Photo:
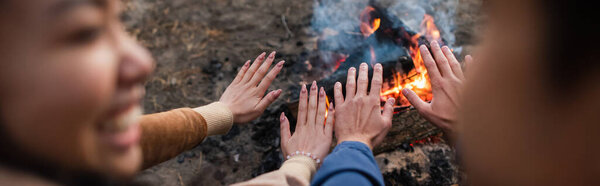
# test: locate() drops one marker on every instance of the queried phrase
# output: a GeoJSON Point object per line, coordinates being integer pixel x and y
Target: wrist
{"type": "Point", "coordinates": [356, 139]}
{"type": "Point", "coordinates": [218, 117]}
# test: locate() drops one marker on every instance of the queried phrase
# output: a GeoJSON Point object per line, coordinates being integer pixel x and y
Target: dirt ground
{"type": "Point", "coordinates": [199, 45]}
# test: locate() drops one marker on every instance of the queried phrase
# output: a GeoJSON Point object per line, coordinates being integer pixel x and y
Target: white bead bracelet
{"type": "Point", "coordinates": [308, 154]}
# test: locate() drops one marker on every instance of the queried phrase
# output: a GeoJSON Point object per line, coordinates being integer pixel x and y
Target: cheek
{"type": "Point", "coordinates": [55, 100]}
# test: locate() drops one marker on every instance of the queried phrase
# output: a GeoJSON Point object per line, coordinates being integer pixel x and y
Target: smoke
{"type": "Point", "coordinates": [411, 12]}
{"type": "Point", "coordinates": [342, 16]}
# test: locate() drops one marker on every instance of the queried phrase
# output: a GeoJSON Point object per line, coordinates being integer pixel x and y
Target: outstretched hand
{"type": "Point", "coordinates": [313, 132]}
{"type": "Point", "coordinates": [447, 80]}
{"type": "Point", "coordinates": [245, 96]}
{"type": "Point", "coordinates": [358, 116]}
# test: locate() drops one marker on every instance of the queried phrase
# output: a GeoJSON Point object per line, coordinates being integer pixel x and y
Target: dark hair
{"type": "Point", "coordinates": [573, 54]}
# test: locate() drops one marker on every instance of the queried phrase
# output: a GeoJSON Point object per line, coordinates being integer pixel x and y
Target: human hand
{"type": "Point", "coordinates": [244, 96]}
{"type": "Point", "coordinates": [310, 136]}
{"type": "Point", "coordinates": [358, 116]}
{"type": "Point", "coordinates": [447, 80]}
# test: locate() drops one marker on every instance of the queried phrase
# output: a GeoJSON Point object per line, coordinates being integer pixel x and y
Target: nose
{"type": "Point", "coordinates": [135, 63]}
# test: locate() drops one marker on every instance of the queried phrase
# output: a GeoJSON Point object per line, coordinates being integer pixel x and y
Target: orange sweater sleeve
{"type": "Point", "coordinates": [166, 134]}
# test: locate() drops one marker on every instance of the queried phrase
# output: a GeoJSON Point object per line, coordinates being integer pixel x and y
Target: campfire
{"type": "Point", "coordinates": [382, 38]}
{"type": "Point", "coordinates": [389, 42]}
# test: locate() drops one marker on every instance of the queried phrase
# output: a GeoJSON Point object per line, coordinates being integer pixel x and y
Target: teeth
{"type": "Point", "coordinates": [122, 122]}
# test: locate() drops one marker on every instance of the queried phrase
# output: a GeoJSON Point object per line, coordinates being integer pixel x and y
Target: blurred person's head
{"type": "Point", "coordinates": [531, 111]}
{"type": "Point", "coordinates": [71, 80]}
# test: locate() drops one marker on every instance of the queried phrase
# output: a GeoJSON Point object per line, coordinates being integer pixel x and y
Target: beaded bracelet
{"type": "Point", "coordinates": [304, 154]}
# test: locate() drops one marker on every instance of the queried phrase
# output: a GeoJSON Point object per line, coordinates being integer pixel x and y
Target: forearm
{"type": "Point", "coordinates": [350, 163]}
{"type": "Point", "coordinates": [298, 170]}
{"type": "Point", "coordinates": [167, 134]}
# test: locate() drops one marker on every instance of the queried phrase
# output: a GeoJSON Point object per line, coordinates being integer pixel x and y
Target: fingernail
{"type": "Point", "coordinates": [363, 65]}
{"type": "Point", "coordinates": [378, 66]}
{"type": "Point", "coordinates": [423, 47]}
{"type": "Point", "coordinates": [282, 117]}
{"type": "Point", "coordinates": [391, 101]}
{"type": "Point", "coordinates": [338, 84]}
{"type": "Point", "coordinates": [247, 63]}
{"type": "Point", "coordinates": [434, 42]}
{"type": "Point", "coordinates": [262, 55]}
{"type": "Point", "coordinates": [277, 93]}
{"type": "Point", "coordinates": [272, 54]}
{"type": "Point", "coordinates": [322, 92]}
{"type": "Point", "coordinates": [314, 85]}
{"type": "Point", "coordinates": [303, 90]}
{"type": "Point", "coordinates": [330, 106]}
{"type": "Point", "coordinates": [280, 64]}
{"type": "Point", "coordinates": [352, 69]}
{"type": "Point", "coordinates": [405, 91]}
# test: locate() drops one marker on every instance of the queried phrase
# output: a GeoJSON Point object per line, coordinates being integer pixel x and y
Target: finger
{"type": "Point", "coordinates": [266, 82]}
{"type": "Point", "coordinates": [262, 70]}
{"type": "Point", "coordinates": [312, 104]}
{"type": "Point", "coordinates": [351, 83]}
{"type": "Point", "coordinates": [454, 65]}
{"type": "Point", "coordinates": [268, 99]}
{"type": "Point", "coordinates": [250, 72]}
{"type": "Point", "coordinates": [440, 59]}
{"type": "Point", "coordinates": [432, 69]}
{"type": "Point", "coordinates": [241, 73]}
{"type": "Point", "coordinates": [321, 110]}
{"type": "Point", "coordinates": [363, 80]}
{"type": "Point", "coordinates": [302, 107]}
{"type": "Point", "coordinates": [330, 120]}
{"type": "Point", "coordinates": [388, 109]}
{"type": "Point", "coordinates": [338, 96]}
{"type": "Point", "coordinates": [284, 131]}
{"type": "Point", "coordinates": [414, 99]}
{"type": "Point", "coordinates": [468, 62]}
{"type": "Point", "coordinates": [388, 112]}
{"type": "Point", "coordinates": [376, 81]}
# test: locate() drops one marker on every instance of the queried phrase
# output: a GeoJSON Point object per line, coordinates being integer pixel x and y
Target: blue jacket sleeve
{"type": "Point", "coordinates": [350, 163]}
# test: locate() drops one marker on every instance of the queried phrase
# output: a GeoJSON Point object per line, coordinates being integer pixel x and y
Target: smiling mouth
{"type": "Point", "coordinates": [123, 131]}
{"type": "Point", "coordinates": [120, 130]}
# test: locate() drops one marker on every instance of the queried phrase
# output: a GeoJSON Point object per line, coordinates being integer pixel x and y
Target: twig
{"type": "Point", "coordinates": [287, 29]}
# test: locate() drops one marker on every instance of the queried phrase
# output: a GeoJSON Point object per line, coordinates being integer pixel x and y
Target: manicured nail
{"type": "Point", "coordinates": [303, 90]}
{"type": "Point", "coordinates": [314, 85]}
{"type": "Point", "coordinates": [272, 54]}
{"type": "Point", "coordinates": [282, 117]}
{"type": "Point", "coordinates": [322, 92]}
{"type": "Point", "coordinates": [280, 64]}
{"type": "Point", "coordinates": [262, 55]}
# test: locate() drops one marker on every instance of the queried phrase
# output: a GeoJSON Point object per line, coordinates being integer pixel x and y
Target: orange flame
{"type": "Point", "coordinates": [368, 26]}
{"type": "Point", "coordinates": [417, 79]}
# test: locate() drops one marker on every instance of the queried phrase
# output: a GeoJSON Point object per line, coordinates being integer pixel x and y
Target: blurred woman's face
{"type": "Point", "coordinates": [70, 83]}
